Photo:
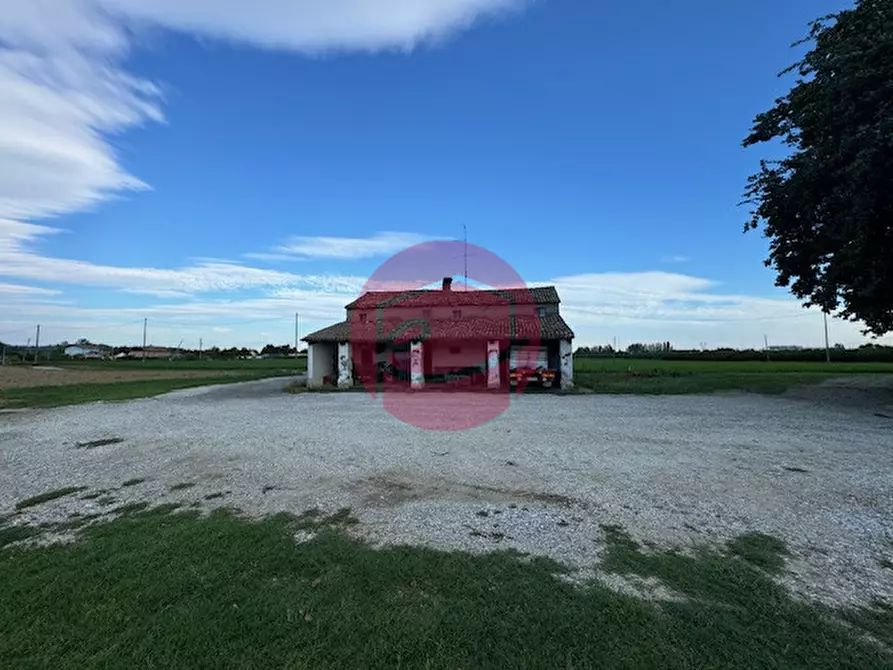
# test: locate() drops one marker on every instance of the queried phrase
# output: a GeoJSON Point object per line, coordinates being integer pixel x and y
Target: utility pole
{"type": "Point", "coordinates": [145, 326]}
{"type": "Point", "coordinates": [37, 344]}
{"type": "Point", "coordinates": [199, 348]}
{"type": "Point", "coordinates": [766, 343]}
{"type": "Point", "coordinates": [827, 348]}
{"type": "Point", "coordinates": [296, 336]}
{"type": "Point", "coordinates": [3, 359]}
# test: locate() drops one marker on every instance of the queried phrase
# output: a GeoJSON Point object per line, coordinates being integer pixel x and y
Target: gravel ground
{"type": "Point", "coordinates": [542, 478]}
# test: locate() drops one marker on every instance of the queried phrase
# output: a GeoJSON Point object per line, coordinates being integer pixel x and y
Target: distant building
{"type": "Point", "coordinates": [84, 351]}
{"type": "Point", "coordinates": [153, 352]}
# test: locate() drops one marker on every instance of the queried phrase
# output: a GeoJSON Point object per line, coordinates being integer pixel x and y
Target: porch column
{"type": "Point", "coordinates": [345, 374]}
{"type": "Point", "coordinates": [566, 354]}
{"type": "Point", "coordinates": [310, 355]}
{"type": "Point", "coordinates": [417, 365]}
{"type": "Point", "coordinates": [493, 380]}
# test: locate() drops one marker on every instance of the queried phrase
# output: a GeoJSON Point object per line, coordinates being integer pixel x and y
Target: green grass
{"type": "Point", "coordinates": [73, 394]}
{"type": "Point", "coordinates": [656, 377]}
{"type": "Point", "coordinates": [163, 589]}
{"type": "Point", "coordinates": [10, 534]}
{"type": "Point", "coordinates": [284, 365]}
{"type": "Point", "coordinates": [48, 496]}
{"type": "Point", "coordinates": [652, 366]}
{"type": "Point", "coordinates": [674, 383]}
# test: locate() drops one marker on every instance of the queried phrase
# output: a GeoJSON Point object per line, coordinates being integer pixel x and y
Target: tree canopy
{"type": "Point", "coordinates": [827, 208]}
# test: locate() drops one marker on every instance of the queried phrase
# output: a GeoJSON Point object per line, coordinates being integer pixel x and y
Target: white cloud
{"type": "Point", "coordinates": [677, 258]}
{"type": "Point", "coordinates": [312, 25]}
{"type": "Point", "coordinates": [349, 248]}
{"type": "Point", "coordinates": [64, 91]}
{"type": "Point", "coordinates": [18, 291]}
{"type": "Point", "coordinates": [688, 311]}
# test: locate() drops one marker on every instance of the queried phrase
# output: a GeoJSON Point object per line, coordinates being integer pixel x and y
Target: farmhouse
{"type": "Point", "coordinates": [436, 336]}
{"type": "Point", "coordinates": [85, 350]}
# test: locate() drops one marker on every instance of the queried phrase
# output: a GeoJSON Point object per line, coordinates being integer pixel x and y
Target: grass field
{"type": "Point", "coordinates": [162, 364]}
{"type": "Point", "coordinates": [703, 367]}
{"type": "Point", "coordinates": [157, 588]}
{"type": "Point", "coordinates": [74, 394]}
{"type": "Point", "coordinates": [642, 376]}
{"type": "Point", "coordinates": [88, 381]}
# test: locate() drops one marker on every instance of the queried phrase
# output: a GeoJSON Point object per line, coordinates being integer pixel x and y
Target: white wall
{"type": "Point", "coordinates": [320, 362]}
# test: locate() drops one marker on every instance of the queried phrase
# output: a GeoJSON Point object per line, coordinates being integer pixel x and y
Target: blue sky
{"type": "Point", "coordinates": [217, 166]}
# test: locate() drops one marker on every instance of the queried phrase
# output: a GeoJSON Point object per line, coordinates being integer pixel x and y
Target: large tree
{"type": "Point", "coordinates": [827, 208]}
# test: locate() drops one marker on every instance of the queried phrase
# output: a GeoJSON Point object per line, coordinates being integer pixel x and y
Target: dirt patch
{"type": "Point", "coordinates": [872, 392]}
{"type": "Point", "coordinates": [390, 491]}
{"type": "Point", "coordinates": [13, 376]}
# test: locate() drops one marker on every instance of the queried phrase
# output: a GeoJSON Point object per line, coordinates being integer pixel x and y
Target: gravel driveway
{"type": "Point", "coordinates": [542, 478]}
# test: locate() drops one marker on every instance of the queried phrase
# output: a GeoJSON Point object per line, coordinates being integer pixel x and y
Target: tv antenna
{"type": "Point", "coordinates": [465, 253]}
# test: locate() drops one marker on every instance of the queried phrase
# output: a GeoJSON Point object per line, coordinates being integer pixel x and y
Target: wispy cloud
{"type": "Point", "coordinates": [675, 259]}
{"type": "Point", "coordinates": [348, 248]}
{"type": "Point", "coordinates": [14, 290]}
{"type": "Point", "coordinates": [66, 93]}
{"type": "Point", "coordinates": [65, 90]}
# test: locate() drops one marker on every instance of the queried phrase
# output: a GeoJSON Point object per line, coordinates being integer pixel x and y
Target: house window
{"type": "Point", "coordinates": [541, 311]}
{"type": "Point", "coordinates": [363, 318]}
{"type": "Point", "coordinates": [457, 313]}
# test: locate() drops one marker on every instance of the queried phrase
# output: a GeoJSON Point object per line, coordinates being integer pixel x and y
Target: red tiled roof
{"type": "Point", "coordinates": [550, 327]}
{"type": "Point", "coordinates": [437, 297]}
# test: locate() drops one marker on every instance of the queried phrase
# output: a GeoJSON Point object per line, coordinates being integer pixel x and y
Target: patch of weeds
{"type": "Point", "coordinates": [133, 508]}
{"type": "Point", "coordinates": [136, 481]}
{"type": "Point", "coordinates": [75, 523]}
{"type": "Point", "coordinates": [792, 468]}
{"type": "Point", "coordinates": [216, 496]}
{"type": "Point", "coordinates": [94, 494]}
{"type": "Point", "coordinates": [92, 444]}
{"type": "Point", "coordinates": [876, 620]}
{"type": "Point", "coordinates": [268, 488]}
{"type": "Point", "coordinates": [105, 501]}
{"type": "Point", "coordinates": [162, 510]}
{"type": "Point", "coordinates": [10, 534]}
{"type": "Point", "coordinates": [182, 486]}
{"type": "Point", "coordinates": [763, 551]}
{"type": "Point", "coordinates": [48, 496]}
{"type": "Point", "coordinates": [342, 517]}
{"type": "Point", "coordinates": [885, 563]}
{"type": "Point", "coordinates": [314, 520]}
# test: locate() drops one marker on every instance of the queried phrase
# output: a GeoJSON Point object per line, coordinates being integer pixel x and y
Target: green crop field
{"type": "Point", "coordinates": [693, 367]}
{"type": "Point", "coordinates": [657, 377]}
{"type": "Point", "coordinates": [288, 364]}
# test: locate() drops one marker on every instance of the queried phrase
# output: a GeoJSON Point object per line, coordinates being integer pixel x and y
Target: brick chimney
{"type": "Point", "coordinates": [447, 283]}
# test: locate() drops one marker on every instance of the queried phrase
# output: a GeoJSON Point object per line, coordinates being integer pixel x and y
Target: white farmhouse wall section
{"type": "Point", "coordinates": [493, 380]}
{"type": "Point", "coordinates": [345, 374]}
{"type": "Point", "coordinates": [566, 354]}
{"type": "Point", "coordinates": [310, 365]}
{"type": "Point", "coordinates": [416, 361]}
{"type": "Point", "coordinates": [319, 363]}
